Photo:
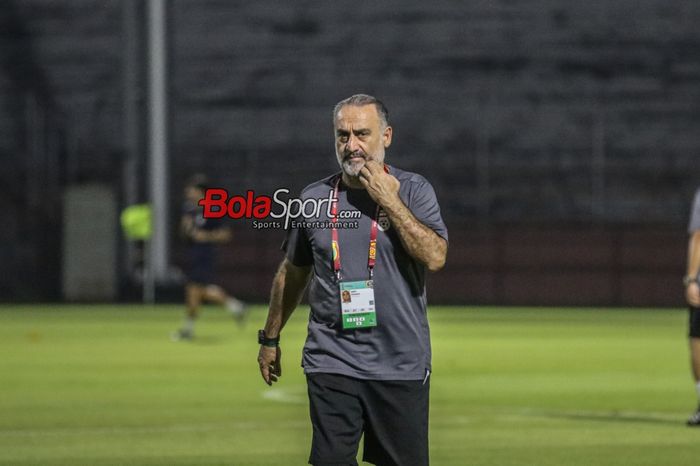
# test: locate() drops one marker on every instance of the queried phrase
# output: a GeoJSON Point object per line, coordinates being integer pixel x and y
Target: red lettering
{"type": "Point", "coordinates": [263, 207]}
{"type": "Point", "coordinates": [232, 203]}
{"type": "Point", "coordinates": [214, 197]}
{"type": "Point", "coordinates": [217, 203]}
{"type": "Point", "coordinates": [249, 204]}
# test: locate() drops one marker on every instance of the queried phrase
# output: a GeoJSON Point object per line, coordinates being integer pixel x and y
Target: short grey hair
{"type": "Point", "coordinates": [360, 100]}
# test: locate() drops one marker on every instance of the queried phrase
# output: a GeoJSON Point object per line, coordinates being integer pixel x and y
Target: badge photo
{"type": "Point", "coordinates": [383, 221]}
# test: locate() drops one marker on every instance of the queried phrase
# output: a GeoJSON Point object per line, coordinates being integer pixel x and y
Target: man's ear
{"type": "Point", "coordinates": [388, 132]}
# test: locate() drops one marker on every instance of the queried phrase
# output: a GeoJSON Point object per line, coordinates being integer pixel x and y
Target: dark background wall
{"type": "Point", "coordinates": [561, 136]}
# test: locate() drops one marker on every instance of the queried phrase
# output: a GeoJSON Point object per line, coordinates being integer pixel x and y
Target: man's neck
{"type": "Point", "coordinates": [352, 181]}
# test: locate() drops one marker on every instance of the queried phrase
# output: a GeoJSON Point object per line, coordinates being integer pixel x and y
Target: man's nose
{"type": "Point", "coordinates": [353, 143]}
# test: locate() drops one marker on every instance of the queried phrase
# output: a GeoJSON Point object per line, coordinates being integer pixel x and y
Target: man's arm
{"type": "Point", "coordinates": [287, 289]}
{"type": "Point", "coordinates": [188, 229]}
{"type": "Point", "coordinates": [186, 226]}
{"type": "Point", "coordinates": [218, 235]}
{"type": "Point", "coordinates": [692, 289]}
{"type": "Point", "coordinates": [422, 243]}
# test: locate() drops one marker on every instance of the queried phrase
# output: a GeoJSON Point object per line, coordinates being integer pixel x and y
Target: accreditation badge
{"type": "Point", "coordinates": [357, 304]}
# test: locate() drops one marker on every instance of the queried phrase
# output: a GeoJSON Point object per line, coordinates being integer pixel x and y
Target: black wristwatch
{"type": "Point", "coordinates": [265, 341]}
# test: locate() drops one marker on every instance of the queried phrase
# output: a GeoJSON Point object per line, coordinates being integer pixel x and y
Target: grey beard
{"type": "Point", "coordinates": [352, 169]}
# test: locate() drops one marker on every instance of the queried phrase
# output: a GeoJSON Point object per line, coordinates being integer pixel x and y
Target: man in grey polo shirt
{"type": "Point", "coordinates": [367, 355]}
{"type": "Point", "coordinates": [692, 296]}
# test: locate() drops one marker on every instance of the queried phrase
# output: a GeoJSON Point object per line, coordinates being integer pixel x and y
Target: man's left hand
{"type": "Point", "coordinates": [692, 294]}
{"type": "Point", "coordinates": [270, 361]}
{"type": "Point", "coordinates": [381, 186]}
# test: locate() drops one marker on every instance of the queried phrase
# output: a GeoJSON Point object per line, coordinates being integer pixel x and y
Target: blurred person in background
{"type": "Point", "coordinates": [202, 236]}
{"type": "Point", "coordinates": [367, 369]}
{"type": "Point", "coordinates": [692, 295]}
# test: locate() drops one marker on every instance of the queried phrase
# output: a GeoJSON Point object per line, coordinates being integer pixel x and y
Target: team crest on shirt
{"type": "Point", "coordinates": [383, 221]}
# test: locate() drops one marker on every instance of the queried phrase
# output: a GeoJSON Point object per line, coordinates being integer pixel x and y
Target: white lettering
{"type": "Point", "coordinates": [280, 202]}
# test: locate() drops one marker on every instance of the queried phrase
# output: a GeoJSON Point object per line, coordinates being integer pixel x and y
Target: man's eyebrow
{"type": "Point", "coordinates": [355, 131]}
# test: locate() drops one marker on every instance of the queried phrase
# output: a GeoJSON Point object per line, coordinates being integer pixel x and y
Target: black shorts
{"type": "Point", "coordinates": [200, 264]}
{"type": "Point", "coordinates": [694, 324]}
{"type": "Point", "coordinates": [393, 414]}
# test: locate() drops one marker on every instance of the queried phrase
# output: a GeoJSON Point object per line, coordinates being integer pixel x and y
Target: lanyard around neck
{"type": "Point", "coordinates": [372, 253]}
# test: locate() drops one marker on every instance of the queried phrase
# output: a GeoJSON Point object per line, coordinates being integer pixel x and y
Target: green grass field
{"type": "Point", "coordinates": [104, 385]}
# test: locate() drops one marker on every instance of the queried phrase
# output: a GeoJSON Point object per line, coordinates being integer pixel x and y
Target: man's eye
{"type": "Point", "coordinates": [343, 138]}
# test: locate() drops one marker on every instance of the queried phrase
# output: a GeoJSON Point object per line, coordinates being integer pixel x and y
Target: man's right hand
{"type": "Point", "coordinates": [270, 361]}
{"type": "Point", "coordinates": [692, 294]}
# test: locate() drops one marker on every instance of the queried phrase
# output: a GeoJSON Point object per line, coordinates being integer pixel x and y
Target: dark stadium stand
{"type": "Point", "coordinates": [561, 136]}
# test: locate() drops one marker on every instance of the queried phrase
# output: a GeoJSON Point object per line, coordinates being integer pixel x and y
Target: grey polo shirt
{"type": "Point", "coordinates": [398, 348]}
{"type": "Point", "coordinates": [694, 223]}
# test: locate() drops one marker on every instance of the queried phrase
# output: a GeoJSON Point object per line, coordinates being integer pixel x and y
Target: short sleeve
{"type": "Point", "coordinates": [425, 207]}
{"type": "Point", "coordinates": [297, 247]}
{"type": "Point", "coordinates": [694, 224]}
